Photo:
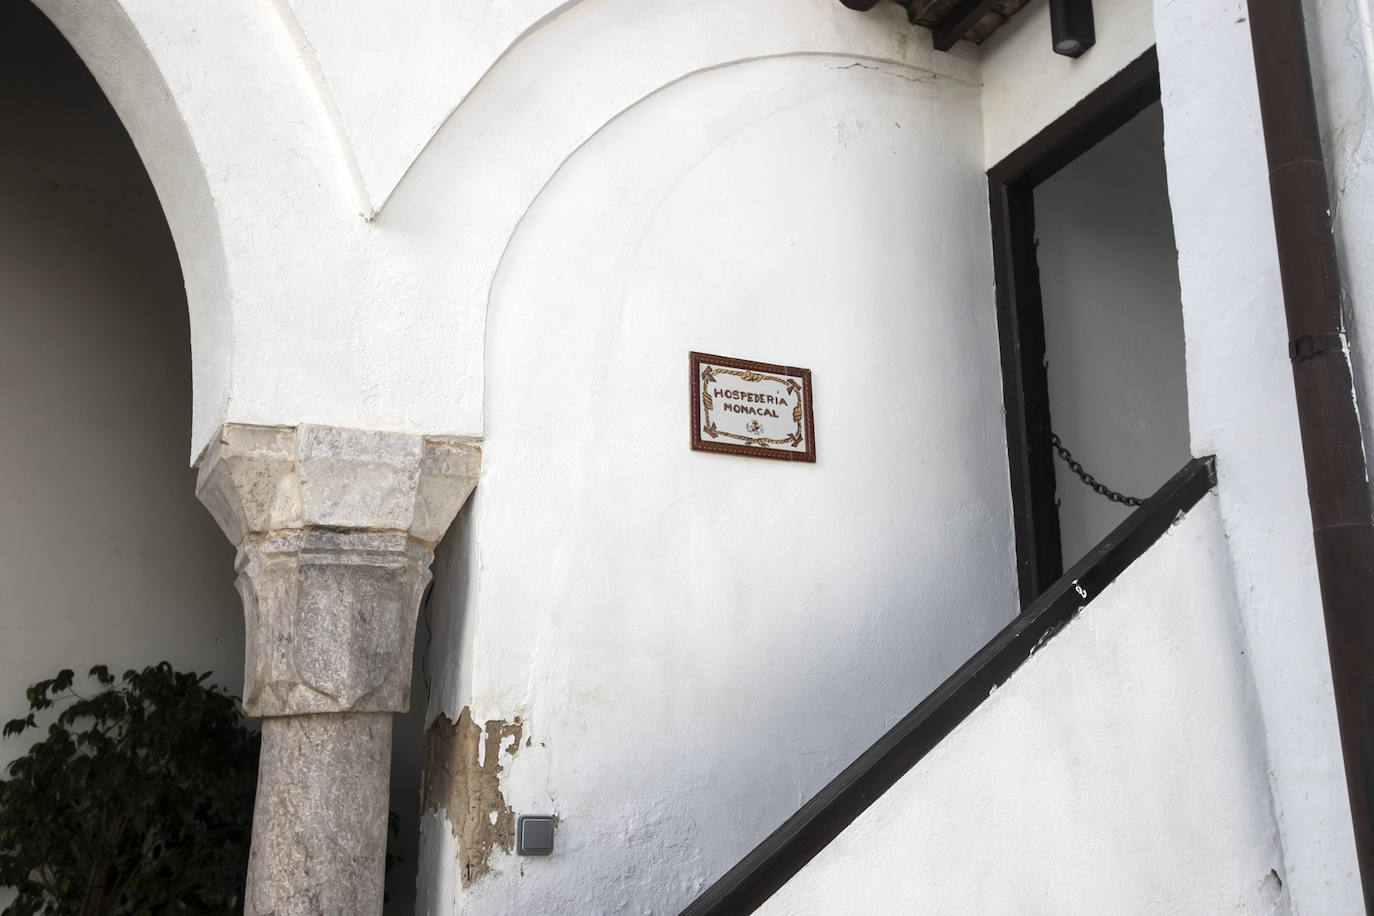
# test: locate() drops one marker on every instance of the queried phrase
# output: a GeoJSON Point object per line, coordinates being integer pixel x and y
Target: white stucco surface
{"type": "Point", "coordinates": [381, 217]}
{"type": "Point", "coordinates": [1241, 408]}
{"type": "Point", "coordinates": [697, 642]}
{"type": "Point", "coordinates": [105, 554]}
{"type": "Point", "coordinates": [1113, 326]}
{"type": "Point", "coordinates": [1119, 770]}
{"type": "Point", "coordinates": [433, 54]}
{"type": "Point", "coordinates": [1026, 85]}
{"type": "Point", "coordinates": [381, 324]}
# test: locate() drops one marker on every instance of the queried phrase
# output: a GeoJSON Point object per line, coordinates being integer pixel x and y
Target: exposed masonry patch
{"type": "Point", "coordinates": [462, 781]}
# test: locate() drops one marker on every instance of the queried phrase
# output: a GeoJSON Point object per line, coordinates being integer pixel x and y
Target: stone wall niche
{"type": "Point", "coordinates": [335, 530]}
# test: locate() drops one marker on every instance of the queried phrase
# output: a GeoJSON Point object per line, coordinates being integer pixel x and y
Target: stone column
{"type": "Point", "coordinates": [335, 530]}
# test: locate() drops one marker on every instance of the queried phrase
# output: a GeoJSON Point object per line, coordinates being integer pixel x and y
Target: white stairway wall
{"type": "Point", "coordinates": [1120, 770]}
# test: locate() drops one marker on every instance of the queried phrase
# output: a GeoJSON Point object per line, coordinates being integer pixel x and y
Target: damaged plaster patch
{"type": "Point", "coordinates": [462, 781]}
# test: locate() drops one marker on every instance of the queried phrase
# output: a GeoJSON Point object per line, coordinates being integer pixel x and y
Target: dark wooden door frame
{"type": "Point", "coordinates": [1020, 320]}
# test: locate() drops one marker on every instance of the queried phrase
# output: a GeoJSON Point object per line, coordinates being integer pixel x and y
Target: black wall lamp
{"type": "Point", "coordinates": [1071, 21]}
{"type": "Point", "coordinates": [1071, 26]}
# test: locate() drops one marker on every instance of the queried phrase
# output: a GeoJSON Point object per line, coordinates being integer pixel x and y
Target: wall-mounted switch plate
{"type": "Point", "coordinates": [534, 835]}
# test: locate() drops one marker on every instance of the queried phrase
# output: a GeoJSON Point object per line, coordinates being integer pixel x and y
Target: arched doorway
{"type": "Point", "coordinates": [105, 554]}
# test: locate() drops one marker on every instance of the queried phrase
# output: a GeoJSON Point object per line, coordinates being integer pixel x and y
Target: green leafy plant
{"type": "Point", "coordinates": [138, 801]}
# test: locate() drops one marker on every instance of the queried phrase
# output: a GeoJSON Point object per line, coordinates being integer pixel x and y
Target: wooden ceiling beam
{"type": "Point", "coordinates": [961, 17]}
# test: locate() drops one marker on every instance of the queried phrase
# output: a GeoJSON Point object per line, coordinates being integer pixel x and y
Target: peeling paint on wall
{"type": "Point", "coordinates": [462, 780]}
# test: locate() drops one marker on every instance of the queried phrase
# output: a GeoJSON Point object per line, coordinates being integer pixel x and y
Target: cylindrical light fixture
{"type": "Point", "coordinates": [1071, 26]}
{"type": "Point", "coordinates": [862, 6]}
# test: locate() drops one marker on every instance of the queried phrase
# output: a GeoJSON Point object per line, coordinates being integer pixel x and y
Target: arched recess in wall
{"type": "Point", "coordinates": [579, 71]}
{"type": "Point", "coordinates": [106, 556]}
{"type": "Point", "coordinates": [107, 41]}
{"type": "Point", "coordinates": [778, 209]}
{"type": "Point", "coordinates": [841, 61]}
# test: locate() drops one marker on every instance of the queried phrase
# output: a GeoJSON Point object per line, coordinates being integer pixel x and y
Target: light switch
{"type": "Point", "coordinates": [534, 835]}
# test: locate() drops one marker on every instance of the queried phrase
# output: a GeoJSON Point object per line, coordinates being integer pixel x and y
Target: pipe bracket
{"type": "Point", "coordinates": [1303, 348]}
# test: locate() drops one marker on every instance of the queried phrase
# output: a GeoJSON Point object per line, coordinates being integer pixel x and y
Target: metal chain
{"type": "Point", "coordinates": [1098, 487]}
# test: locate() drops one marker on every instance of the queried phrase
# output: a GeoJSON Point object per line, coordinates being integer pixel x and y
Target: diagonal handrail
{"type": "Point", "coordinates": [784, 852]}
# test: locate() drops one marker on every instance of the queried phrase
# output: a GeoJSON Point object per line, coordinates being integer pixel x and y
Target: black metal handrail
{"type": "Point", "coordinates": [784, 852]}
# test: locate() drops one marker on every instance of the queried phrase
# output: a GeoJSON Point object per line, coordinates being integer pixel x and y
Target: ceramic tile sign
{"type": "Point", "coordinates": [748, 408]}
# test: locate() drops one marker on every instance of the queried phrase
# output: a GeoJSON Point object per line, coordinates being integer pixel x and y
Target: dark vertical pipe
{"type": "Point", "coordinates": [1337, 487]}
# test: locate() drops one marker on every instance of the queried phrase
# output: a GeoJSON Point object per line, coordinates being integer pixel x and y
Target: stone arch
{"type": "Point", "coordinates": [106, 557]}
{"type": "Point", "coordinates": [108, 42]}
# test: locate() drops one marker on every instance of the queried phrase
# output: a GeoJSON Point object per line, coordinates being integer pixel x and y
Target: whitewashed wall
{"type": "Point", "coordinates": [1026, 85]}
{"type": "Point", "coordinates": [341, 227]}
{"type": "Point", "coordinates": [105, 554]}
{"type": "Point", "coordinates": [1242, 409]}
{"type": "Point", "coordinates": [350, 207]}
{"type": "Point", "coordinates": [696, 643]}
{"type": "Point", "coordinates": [404, 149]}
{"type": "Point", "coordinates": [1239, 382]}
{"type": "Point", "coordinates": [1120, 770]}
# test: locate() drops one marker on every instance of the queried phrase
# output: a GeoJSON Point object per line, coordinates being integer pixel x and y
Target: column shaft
{"type": "Point", "coordinates": [319, 822]}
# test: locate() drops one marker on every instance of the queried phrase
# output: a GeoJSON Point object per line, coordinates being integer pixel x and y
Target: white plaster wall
{"type": "Point", "coordinates": [315, 314]}
{"type": "Point", "coordinates": [105, 554]}
{"type": "Point", "coordinates": [1113, 326]}
{"type": "Point", "coordinates": [434, 55]}
{"type": "Point", "coordinates": [1241, 408]}
{"type": "Point", "coordinates": [302, 310]}
{"type": "Point", "coordinates": [696, 643]}
{"type": "Point", "coordinates": [1120, 770]}
{"type": "Point", "coordinates": [583, 65]}
{"type": "Point", "coordinates": [1026, 85]}
{"type": "Point", "coordinates": [310, 300]}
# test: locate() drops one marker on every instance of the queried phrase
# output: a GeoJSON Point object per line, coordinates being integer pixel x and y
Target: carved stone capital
{"type": "Point", "coordinates": [256, 480]}
{"type": "Point", "coordinates": [335, 531]}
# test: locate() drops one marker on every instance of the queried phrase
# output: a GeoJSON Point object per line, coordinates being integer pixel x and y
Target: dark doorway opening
{"type": "Point", "coordinates": [1089, 320]}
